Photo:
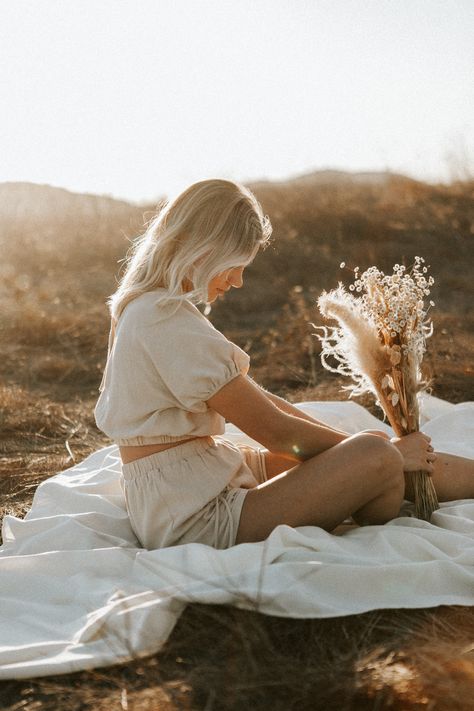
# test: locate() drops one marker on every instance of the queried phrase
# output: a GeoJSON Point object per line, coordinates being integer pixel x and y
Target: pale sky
{"type": "Point", "coordinates": [140, 98]}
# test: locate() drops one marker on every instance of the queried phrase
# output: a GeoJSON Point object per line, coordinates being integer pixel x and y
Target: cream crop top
{"type": "Point", "coordinates": [164, 362]}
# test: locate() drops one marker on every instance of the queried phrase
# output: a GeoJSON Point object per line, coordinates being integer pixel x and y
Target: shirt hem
{"type": "Point", "coordinates": [157, 439]}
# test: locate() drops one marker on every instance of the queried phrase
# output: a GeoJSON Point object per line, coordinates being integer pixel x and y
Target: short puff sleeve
{"type": "Point", "coordinates": [193, 359]}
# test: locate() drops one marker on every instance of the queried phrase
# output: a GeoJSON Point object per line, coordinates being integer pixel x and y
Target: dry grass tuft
{"type": "Point", "coordinates": [39, 438]}
{"type": "Point", "coordinates": [222, 658]}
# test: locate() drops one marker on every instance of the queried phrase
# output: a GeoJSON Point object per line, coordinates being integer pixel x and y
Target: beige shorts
{"type": "Point", "coordinates": [192, 493]}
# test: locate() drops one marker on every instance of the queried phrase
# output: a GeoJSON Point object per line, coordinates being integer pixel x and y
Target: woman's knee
{"type": "Point", "coordinates": [391, 469]}
{"type": "Point", "coordinates": [385, 463]}
{"type": "Point", "coordinates": [379, 449]}
{"type": "Point", "coordinates": [382, 458]}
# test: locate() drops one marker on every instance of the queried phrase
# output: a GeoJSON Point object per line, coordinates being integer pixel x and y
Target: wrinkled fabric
{"type": "Point", "coordinates": [164, 362]}
{"type": "Point", "coordinates": [193, 493]}
{"type": "Point", "coordinates": [77, 591]}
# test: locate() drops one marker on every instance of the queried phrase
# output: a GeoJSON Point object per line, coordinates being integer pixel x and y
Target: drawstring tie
{"type": "Point", "coordinates": [216, 522]}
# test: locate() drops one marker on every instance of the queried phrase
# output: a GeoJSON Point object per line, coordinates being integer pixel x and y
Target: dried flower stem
{"type": "Point", "coordinates": [420, 483]}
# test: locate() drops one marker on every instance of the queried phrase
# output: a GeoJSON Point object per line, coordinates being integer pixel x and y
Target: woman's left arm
{"type": "Point", "coordinates": [286, 406]}
{"type": "Point", "coordinates": [290, 409]}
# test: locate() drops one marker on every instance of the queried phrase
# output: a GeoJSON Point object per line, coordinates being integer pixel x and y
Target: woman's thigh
{"type": "Point", "coordinates": [276, 463]}
{"type": "Point", "coordinates": [322, 491]}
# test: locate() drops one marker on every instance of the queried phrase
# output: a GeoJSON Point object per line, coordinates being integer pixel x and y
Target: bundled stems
{"type": "Point", "coordinates": [419, 483]}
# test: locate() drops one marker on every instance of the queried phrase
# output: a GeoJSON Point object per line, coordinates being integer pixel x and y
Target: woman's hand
{"type": "Point", "coordinates": [417, 452]}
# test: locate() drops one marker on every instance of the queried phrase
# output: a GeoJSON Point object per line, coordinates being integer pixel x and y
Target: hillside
{"type": "Point", "coordinates": [30, 202]}
{"type": "Point", "coordinates": [319, 220]}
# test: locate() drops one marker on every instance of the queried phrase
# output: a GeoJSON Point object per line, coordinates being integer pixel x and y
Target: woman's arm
{"type": "Point", "coordinates": [245, 404]}
{"type": "Point", "coordinates": [287, 407]}
{"type": "Point", "coordinates": [292, 410]}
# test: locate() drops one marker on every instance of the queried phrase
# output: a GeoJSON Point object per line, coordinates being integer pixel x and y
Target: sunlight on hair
{"type": "Point", "coordinates": [211, 226]}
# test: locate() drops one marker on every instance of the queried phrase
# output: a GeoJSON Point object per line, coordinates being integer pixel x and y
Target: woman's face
{"type": "Point", "coordinates": [222, 282]}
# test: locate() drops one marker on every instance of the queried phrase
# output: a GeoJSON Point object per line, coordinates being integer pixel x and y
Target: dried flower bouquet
{"type": "Point", "coordinates": [379, 343]}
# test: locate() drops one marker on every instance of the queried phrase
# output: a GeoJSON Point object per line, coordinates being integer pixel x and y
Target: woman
{"type": "Point", "coordinates": [172, 381]}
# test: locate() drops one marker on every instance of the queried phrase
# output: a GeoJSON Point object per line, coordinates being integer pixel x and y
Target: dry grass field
{"type": "Point", "coordinates": [61, 256]}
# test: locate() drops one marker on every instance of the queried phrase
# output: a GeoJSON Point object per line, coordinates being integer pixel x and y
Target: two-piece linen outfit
{"type": "Point", "coordinates": [165, 360]}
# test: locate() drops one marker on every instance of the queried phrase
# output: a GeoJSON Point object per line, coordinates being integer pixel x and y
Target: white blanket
{"type": "Point", "coordinates": [77, 592]}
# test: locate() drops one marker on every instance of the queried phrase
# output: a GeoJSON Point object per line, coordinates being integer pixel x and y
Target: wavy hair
{"type": "Point", "coordinates": [211, 226]}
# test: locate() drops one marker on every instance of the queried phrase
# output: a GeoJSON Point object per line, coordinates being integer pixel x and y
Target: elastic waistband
{"type": "Point", "coordinates": [160, 459]}
{"type": "Point", "coordinates": [142, 439]}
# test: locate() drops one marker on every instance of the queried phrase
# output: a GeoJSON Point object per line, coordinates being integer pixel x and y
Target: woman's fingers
{"type": "Point", "coordinates": [430, 458]}
{"type": "Point", "coordinates": [417, 452]}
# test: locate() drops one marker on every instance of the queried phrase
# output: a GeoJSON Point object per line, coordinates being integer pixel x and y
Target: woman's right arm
{"type": "Point", "coordinates": [286, 406]}
{"type": "Point", "coordinates": [243, 403]}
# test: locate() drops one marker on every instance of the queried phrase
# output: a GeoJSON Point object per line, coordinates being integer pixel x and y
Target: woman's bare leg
{"type": "Point", "coordinates": [276, 464]}
{"type": "Point", "coordinates": [362, 477]}
{"type": "Point", "coordinates": [453, 478]}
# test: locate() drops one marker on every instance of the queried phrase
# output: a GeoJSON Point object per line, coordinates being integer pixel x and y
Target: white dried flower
{"type": "Point", "coordinates": [390, 307]}
{"type": "Point", "coordinates": [395, 355]}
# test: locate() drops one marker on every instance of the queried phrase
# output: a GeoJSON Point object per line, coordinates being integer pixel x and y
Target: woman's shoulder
{"type": "Point", "coordinates": [153, 308]}
{"type": "Point", "coordinates": [170, 331]}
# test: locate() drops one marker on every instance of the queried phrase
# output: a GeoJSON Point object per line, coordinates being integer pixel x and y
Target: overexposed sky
{"type": "Point", "coordinates": [139, 98]}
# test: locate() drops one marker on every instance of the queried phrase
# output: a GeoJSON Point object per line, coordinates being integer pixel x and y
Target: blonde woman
{"type": "Point", "coordinates": [172, 381]}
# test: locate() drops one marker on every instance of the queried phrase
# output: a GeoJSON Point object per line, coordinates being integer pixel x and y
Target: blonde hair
{"type": "Point", "coordinates": [211, 226]}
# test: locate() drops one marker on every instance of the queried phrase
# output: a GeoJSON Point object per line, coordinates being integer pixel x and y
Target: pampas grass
{"type": "Point", "coordinates": [379, 343]}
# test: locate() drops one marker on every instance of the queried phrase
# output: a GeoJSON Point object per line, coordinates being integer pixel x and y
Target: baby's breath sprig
{"type": "Point", "coordinates": [380, 343]}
